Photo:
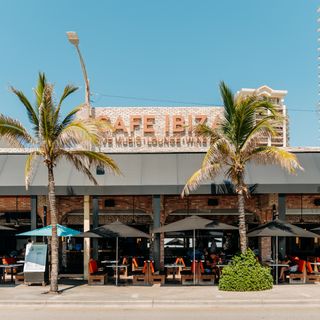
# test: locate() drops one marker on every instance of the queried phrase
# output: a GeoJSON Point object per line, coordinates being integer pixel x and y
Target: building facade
{"type": "Point", "coordinates": [157, 152]}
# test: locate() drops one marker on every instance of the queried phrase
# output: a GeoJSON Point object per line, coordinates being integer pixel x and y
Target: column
{"type": "Point", "coordinates": [265, 243]}
{"type": "Point", "coordinates": [282, 216]}
{"type": "Point", "coordinates": [86, 241]}
{"type": "Point", "coordinates": [34, 210]}
{"type": "Point", "coordinates": [34, 204]}
{"type": "Point", "coordinates": [156, 206]}
{"type": "Point", "coordinates": [95, 223]}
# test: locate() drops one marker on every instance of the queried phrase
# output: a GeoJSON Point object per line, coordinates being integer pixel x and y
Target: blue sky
{"type": "Point", "coordinates": [170, 49]}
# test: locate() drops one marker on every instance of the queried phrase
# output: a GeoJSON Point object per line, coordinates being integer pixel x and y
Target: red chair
{"type": "Point", "coordinates": [95, 276]}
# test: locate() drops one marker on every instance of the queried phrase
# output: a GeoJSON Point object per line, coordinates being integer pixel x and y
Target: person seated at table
{"type": "Point", "coordinates": [210, 263]}
{"type": "Point", "coordinates": [292, 267]}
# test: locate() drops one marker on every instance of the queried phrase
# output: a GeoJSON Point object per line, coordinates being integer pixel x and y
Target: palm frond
{"type": "Point", "coordinates": [79, 132]}
{"type": "Point", "coordinates": [40, 88]}
{"type": "Point", "coordinates": [199, 176]}
{"type": "Point", "coordinates": [278, 156]}
{"type": "Point", "coordinates": [68, 119]}
{"type": "Point", "coordinates": [14, 132]}
{"type": "Point", "coordinates": [84, 159]}
{"type": "Point", "coordinates": [228, 102]}
{"type": "Point", "coordinates": [103, 126]}
{"type": "Point", "coordinates": [29, 167]}
{"type": "Point", "coordinates": [203, 130]}
{"type": "Point", "coordinates": [31, 112]}
{"type": "Point", "coordinates": [68, 89]}
{"type": "Point", "coordinates": [93, 158]}
{"type": "Point", "coordinates": [46, 111]}
{"type": "Point", "coordinates": [218, 152]}
{"type": "Point", "coordinates": [78, 164]}
{"type": "Point", "coordinates": [264, 128]}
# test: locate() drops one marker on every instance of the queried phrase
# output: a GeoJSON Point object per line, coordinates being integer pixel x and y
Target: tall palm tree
{"type": "Point", "coordinates": [236, 141]}
{"type": "Point", "coordinates": [53, 138]}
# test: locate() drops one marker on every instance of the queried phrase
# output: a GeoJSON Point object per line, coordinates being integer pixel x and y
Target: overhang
{"type": "Point", "coordinates": [152, 173]}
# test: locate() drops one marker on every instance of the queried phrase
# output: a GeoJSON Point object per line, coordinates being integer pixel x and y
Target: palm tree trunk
{"type": "Point", "coordinates": [54, 238]}
{"type": "Point", "coordinates": [242, 222]}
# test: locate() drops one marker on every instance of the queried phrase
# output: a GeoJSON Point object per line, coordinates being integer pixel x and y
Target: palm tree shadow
{"type": "Point", "coordinates": [227, 187]}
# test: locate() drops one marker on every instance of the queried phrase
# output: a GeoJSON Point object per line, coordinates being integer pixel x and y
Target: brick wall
{"type": "Point", "coordinates": [13, 204]}
{"type": "Point", "coordinates": [260, 206]}
{"type": "Point", "coordinates": [70, 209]}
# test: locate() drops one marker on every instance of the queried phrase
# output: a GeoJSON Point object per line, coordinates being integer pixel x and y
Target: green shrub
{"type": "Point", "coordinates": [245, 273]}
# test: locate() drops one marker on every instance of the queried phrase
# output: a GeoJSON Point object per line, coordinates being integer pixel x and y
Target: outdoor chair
{"type": "Point", "coordinates": [187, 274]}
{"type": "Point", "coordinates": [205, 278]}
{"type": "Point", "coordinates": [155, 277]}
{"type": "Point", "coordinates": [9, 260]}
{"type": "Point", "coordinates": [124, 270]}
{"type": "Point", "coordinates": [300, 275]}
{"type": "Point", "coordinates": [148, 275]}
{"type": "Point", "coordinates": [312, 273]}
{"type": "Point", "coordinates": [140, 276]}
{"type": "Point", "coordinates": [135, 266]}
{"type": "Point", "coordinates": [96, 276]}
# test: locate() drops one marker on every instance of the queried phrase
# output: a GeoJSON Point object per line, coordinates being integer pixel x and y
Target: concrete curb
{"type": "Point", "coordinates": [151, 303]}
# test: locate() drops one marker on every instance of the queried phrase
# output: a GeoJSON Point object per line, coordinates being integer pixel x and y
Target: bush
{"type": "Point", "coordinates": [245, 273]}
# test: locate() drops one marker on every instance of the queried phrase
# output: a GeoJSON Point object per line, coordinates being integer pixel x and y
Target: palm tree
{"type": "Point", "coordinates": [53, 138]}
{"type": "Point", "coordinates": [236, 141]}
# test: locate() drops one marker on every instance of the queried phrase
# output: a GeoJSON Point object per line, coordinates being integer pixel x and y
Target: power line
{"type": "Point", "coordinates": [304, 109]}
{"type": "Point", "coordinates": [153, 99]}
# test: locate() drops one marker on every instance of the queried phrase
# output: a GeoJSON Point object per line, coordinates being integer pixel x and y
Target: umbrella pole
{"type": "Point", "coordinates": [277, 258]}
{"type": "Point", "coordinates": [117, 258]}
{"type": "Point", "coordinates": [194, 257]}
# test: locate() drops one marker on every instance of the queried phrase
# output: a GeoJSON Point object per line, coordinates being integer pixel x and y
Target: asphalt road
{"type": "Point", "coordinates": [221, 313]}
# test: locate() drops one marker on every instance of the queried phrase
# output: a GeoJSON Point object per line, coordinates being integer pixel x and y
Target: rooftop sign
{"type": "Point", "coordinates": [156, 129]}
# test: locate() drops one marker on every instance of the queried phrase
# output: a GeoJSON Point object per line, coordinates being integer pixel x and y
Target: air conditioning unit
{"type": "Point", "coordinates": [109, 203]}
{"type": "Point", "coordinates": [213, 202]}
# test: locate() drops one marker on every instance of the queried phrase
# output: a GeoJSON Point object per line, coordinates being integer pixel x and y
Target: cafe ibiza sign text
{"type": "Point", "coordinates": [156, 129]}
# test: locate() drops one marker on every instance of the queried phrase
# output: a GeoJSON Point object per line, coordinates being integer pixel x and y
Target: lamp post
{"type": "Point", "coordinates": [74, 40]}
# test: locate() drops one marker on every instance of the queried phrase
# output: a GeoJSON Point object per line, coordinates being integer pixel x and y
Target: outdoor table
{"type": "Point", "coordinates": [20, 261]}
{"type": "Point", "coordinates": [173, 266]}
{"type": "Point", "coordinates": [11, 266]}
{"type": "Point", "coordinates": [109, 261]}
{"type": "Point", "coordinates": [221, 265]}
{"type": "Point", "coordinates": [119, 266]}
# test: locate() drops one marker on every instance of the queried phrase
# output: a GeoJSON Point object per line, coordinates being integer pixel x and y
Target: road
{"type": "Point", "coordinates": [222, 313]}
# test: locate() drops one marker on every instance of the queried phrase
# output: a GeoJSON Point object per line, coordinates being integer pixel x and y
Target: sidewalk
{"type": "Point", "coordinates": [156, 296]}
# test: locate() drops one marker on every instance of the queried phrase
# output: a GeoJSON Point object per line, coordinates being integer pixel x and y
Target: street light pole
{"type": "Point", "coordinates": [74, 40]}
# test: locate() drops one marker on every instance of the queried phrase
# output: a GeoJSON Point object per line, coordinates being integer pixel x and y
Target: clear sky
{"type": "Point", "coordinates": [168, 50]}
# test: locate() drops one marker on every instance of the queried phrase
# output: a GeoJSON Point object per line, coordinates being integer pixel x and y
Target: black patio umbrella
{"type": "Point", "coordinates": [116, 230]}
{"type": "Point", "coordinates": [217, 225]}
{"type": "Point", "coordinates": [193, 223]}
{"type": "Point", "coordinates": [175, 242]}
{"type": "Point", "coordinates": [278, 228]}
{"type": "Point", "coordinates": [5, 228]}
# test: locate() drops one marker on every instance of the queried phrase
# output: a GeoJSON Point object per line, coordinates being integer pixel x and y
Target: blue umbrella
{"type": "Point", "coordinates": [47, 232]}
